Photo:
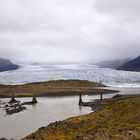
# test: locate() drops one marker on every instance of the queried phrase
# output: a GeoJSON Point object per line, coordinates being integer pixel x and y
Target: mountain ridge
{"type": "Point", "coordinates": [112, 63]}
{"type": "Point", "coordinates": [7, 65]}
{"type": "Point", "coordinates": [133, 65]}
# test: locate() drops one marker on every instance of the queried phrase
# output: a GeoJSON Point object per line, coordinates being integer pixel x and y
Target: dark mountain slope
{"type": "Point", "coordinates": [133, 65]}
{"type": "Point", "coordinates": [112, 64]}
{"type": "Point", "coordinates": [6, 65]}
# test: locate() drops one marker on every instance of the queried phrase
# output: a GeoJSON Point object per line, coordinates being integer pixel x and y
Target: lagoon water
{"type": "Point", "coordinates": [58, 108]}
{"type": "Point", "coordinates": [49, 109]}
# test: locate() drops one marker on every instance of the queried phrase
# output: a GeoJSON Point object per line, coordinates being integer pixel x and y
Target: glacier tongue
{"type": "Point", "coordinates": [38, 73]}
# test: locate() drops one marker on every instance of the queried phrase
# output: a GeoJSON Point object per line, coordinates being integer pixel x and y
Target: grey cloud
{"type": "Point", "coordinates": [69, 31]}
{"type": "Point", "coordinates": [126, 10]}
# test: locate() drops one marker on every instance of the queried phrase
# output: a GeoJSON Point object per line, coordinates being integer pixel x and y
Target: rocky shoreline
{"type": "Point", "coordinates": [112, 120]}
{"type": "Point", "coordinates": [99, 103]}
{"type": "Point", "coordinates": [5, 139]}
{"type": "Point", "coordinates": [15, 106]}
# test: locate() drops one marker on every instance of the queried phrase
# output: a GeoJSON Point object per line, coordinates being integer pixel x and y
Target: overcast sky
{"type": "Point", "coordinates": [69, 30]}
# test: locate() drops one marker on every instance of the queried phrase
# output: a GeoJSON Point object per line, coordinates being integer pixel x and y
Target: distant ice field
{"type": "Point", "coordinates": [46, 72]}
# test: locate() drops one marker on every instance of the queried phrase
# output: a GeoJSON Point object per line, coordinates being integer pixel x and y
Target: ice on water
{"type": "Point", "coordinates": [36, 73]}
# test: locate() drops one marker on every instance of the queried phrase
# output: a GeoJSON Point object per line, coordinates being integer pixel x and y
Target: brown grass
{"type": "Point", "coordinates": [59, 87]}
{"type": "Point", "coordinates": [118, 120]}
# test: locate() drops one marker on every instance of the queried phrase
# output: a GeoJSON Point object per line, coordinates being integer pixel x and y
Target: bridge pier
{"type": "Point", "coordinates": [34, 100]}
{"type": "Point", "coordinates": [80, 100]}
{"type": "Point", "coordinates": [13, 100]}
{"type": "Point", "coordinates": [101, 97]}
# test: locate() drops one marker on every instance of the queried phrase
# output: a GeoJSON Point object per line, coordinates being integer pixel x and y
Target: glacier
{"type": "Point", "coordinates": [46, 72]}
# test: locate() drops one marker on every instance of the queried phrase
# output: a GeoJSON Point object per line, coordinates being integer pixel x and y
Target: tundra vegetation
{"type": "Point", "coordinates": [119, 119]}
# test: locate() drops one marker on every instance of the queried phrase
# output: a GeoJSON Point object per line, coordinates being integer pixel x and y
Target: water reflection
{"type": "Point", "coordinates": [48, 109]}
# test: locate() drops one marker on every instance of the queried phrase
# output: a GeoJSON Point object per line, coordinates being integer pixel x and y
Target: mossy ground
{"type": "Point", "coordinates": [53, 88]}
{"type": "Point", "coordinates": [118, 120]}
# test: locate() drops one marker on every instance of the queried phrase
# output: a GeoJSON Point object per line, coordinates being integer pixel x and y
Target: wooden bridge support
{"type": "Point", "coordinates": [80, 100]}
{"type": "Point", "coordinates": [34, 100]}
